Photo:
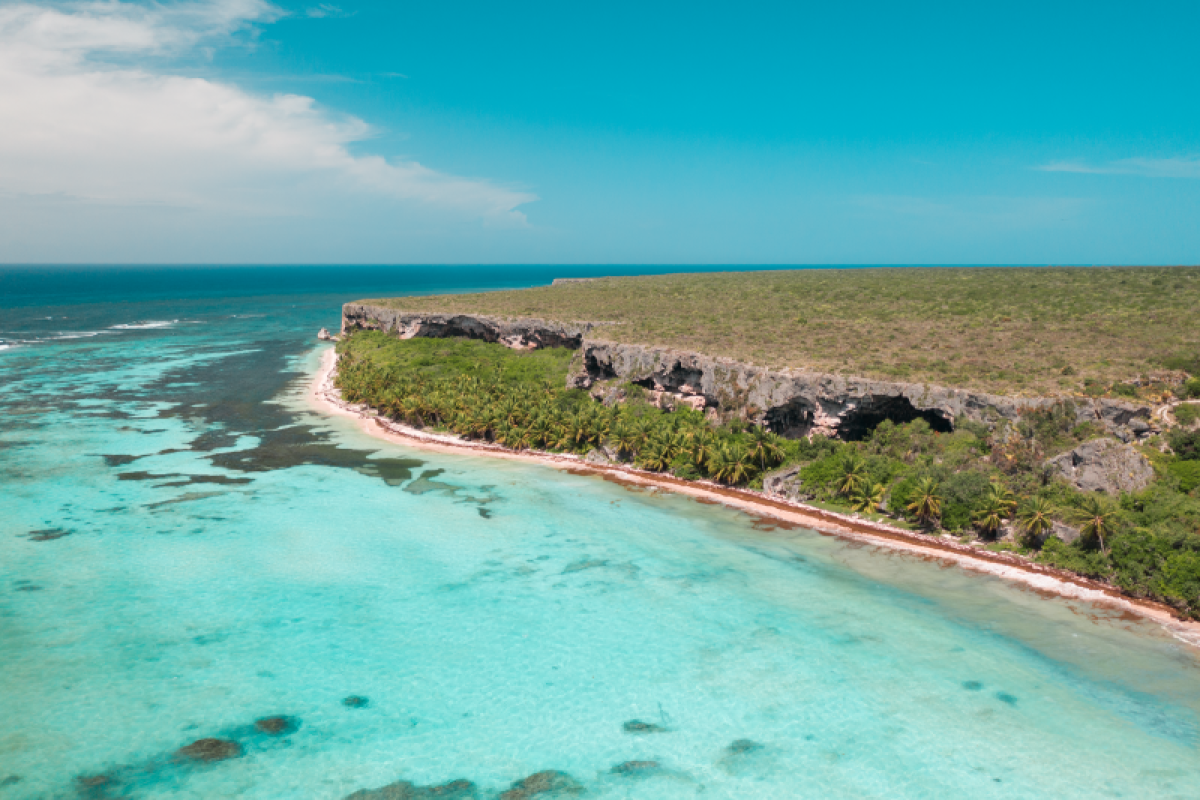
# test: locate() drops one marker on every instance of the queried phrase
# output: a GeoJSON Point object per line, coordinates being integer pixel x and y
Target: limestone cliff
{"type": "Point", "coordinates": [791, 402]}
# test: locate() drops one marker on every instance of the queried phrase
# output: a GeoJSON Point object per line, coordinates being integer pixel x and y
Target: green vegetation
{"type": "Point", "coordinates": [971, 482]}
{"type": "Point", "coordinates": [1006, 330]}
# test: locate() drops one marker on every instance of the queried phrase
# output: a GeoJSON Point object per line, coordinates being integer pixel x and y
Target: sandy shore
{"type": "Point", "coordinates": [326, 399]}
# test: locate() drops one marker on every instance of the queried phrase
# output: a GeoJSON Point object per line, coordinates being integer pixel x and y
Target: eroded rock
{"type": "Point", "coordinates": [784, 483]}
{"type": "Point", "coordinates": [550, 782]}
{"type": "Point", "coordinates": [324, 336]}
{"type": "Point", "coordinates": [1104, 465]}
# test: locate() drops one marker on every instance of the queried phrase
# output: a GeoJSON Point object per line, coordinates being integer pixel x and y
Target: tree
{"type": "Point", "coordinates": [990, 515]}
{"type": "Point", "coordinates": [1096, 517]}
{"type": "Point", "coordinates": [869, 499]}
{"type": "Point", "coordinates": [852, 475]}
{"type": "Point", "coordinates": [926, 505]}
{"type": "Point", "coordinates": [1034, 517]}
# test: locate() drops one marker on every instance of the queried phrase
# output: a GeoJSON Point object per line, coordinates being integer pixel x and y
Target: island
{"type": "Point", "coordinates": [1040, 418]}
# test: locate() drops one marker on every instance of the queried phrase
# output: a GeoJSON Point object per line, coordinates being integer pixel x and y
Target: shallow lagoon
{"type": "Point", "coordinates": [186, 549]}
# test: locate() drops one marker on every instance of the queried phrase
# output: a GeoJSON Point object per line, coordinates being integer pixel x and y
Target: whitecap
{"type": "Point", "coordinates": [143, 325]}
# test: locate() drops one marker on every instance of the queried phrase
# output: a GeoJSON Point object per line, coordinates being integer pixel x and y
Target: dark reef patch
{"type": "Point", "coordinates": [119, 460]}
{"type": "Point", "coordinates": [10, 780]}
{"type": "Point", "coordinates": [639, 727]}
{"type": "Point", "coordinates": [210, 750]}
{"type": "Point", "coordinates": [972, 686]}
{"type": "Point", "coordinates": [277, 726]}
{"type": "Point", "coordinates": [547, 782]}
{"type": "Point", "coordinates": [1005, 697]}
{"type": "Point", "coordinates": [220, 480]}
{"type": "Point", "coordinates": [48, 534]}
{"type": "Point", "coordinates": [356, 701]}
{"type": "Point", "coordinates": [403, 790]}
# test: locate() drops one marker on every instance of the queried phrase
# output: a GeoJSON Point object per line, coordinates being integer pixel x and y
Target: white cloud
{"type": "Point", "coordinates": [1188, 167]}
{"type": "Point", "coordinates": [85, 114]}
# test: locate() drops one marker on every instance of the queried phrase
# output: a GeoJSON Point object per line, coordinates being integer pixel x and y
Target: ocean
{"type": "Point", "coordinates": [188, 548]}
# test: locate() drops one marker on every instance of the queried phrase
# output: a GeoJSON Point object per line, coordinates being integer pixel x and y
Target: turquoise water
{"type": "Point", "coordinates": [185, 548]}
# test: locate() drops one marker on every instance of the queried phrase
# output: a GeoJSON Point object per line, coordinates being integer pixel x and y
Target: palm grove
{"type": "Point", "coordinates": [973, 482]}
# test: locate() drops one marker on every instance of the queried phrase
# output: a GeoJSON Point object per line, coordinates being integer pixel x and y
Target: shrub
{"type": "Point", "coordinates": [962, 493]}
{"type": "Point", "coordinates": [1189, 388]}
{"type": "Point", "coordinates": [1186, 444]}
{"type": "Point", "coordinates": [1124, 389]}
{"type": "Point", "coordinates": [1188, 473]}
{"type": "Point", "coordinates": [1187, 414]}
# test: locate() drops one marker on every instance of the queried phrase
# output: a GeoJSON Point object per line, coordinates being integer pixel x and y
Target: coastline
{"type": "Point", "coordinates": [325, 399]}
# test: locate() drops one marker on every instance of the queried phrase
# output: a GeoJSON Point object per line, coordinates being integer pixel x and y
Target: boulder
{"type": "Point", "coordinates": [324, 336]}
{"type": "Point", "coordinates": [1104, 465]}
{"type": "Point", "coordinates": [784, 483]}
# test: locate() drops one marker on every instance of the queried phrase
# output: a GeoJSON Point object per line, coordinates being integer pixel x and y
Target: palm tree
{"type": "Point", "coordinates": [654, 457]}
{"type": "Point", "coordinates": [852, 475]}
{"type": "Point", "coordinates": [764, 447]}
{"type": "Point", "coordinates": [624, 438]}
{"type": "Point", "coordinates": [869, 499]}
{"type": "Point", "coordinates": [704, 445]}
{"type": "Point", "coordinates": [991, 515]}
{"type": "Point", "coordinates": [1095, 517]}
{"type": "Point", "coordinates": [739, 465]}
{"type": "Point", "coordinates": [1002, 497]}
{"type": "Point", "coordinates": [927, 503]}
{"type": "Point", "coordinates": [1034, 517]}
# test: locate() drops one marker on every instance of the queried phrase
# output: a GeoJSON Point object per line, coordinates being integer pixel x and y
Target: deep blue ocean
{"type": "Point", "coordinates": [188, 547]}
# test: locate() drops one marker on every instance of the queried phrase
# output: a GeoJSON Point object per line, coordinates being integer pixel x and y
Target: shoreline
{"type": "Point", "coordinates": [325, 399]}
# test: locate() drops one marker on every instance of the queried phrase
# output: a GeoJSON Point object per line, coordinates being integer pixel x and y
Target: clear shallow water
{"type": "Point", "coordinates": [185, 548]}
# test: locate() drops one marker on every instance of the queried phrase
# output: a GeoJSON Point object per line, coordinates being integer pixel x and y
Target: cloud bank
{"type": "Point", "coordinates": [85, 115]}
{"type": "Point", "coordinates": [1145, 167]}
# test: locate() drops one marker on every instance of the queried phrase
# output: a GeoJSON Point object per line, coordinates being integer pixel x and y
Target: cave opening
{"type": "Point", "coordinates": [858, 423]}
{"type": "Point", "coordinates": [792, 420]}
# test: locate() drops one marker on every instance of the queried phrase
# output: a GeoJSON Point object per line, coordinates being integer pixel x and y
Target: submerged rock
{"type": "Point", "coordinates": [276, 726]}
{"type": "Point", "coordinates": [740, 746]}
{"type": "Point", "coordinates": [548, 782]}
{"type": "Point", "coordinates": [637, 768]}
{"type": "Point", "coordinates": [637, 726]}
{"type": "Point", "coordinates": [403, 790]}
{"type": "Point", "coordinates": [1104, 465]}
{"type": "Point", "coordinates": [209, 750]}
{"type": "Point", "coordinates": [355, 701]}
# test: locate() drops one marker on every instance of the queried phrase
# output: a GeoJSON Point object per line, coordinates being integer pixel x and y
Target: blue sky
{"type": "Point", "coordinates": [388, 132]}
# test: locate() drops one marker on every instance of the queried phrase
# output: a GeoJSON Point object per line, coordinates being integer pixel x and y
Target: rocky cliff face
{"type": "Point", "coordinates": [791, 402]}
{"type": "Point", "coordinates": [520, 333]}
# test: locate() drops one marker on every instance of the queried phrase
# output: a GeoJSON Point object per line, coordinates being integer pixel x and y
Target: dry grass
{"type": "Point", "coordinates": [1008, 330]}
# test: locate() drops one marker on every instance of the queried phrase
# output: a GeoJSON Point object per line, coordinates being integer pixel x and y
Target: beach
{"type": "Point", "coordinates": [1049, 582]}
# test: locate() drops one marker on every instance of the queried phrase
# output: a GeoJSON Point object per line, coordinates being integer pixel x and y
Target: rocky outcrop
{"type": "Point", "coordinates": [793, 403]}
{"type": "Point", "coordinates": [783, 483]}
{"type": "Point", "coordinates": [1104, 465]}
{"type": "Point", "coordinates": [519, 333]}
{"type": "Point", "coordinates": [324, 336]}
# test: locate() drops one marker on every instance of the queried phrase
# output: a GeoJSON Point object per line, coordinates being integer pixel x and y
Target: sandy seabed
{"type": "Point", "coordinates": [326, 398]}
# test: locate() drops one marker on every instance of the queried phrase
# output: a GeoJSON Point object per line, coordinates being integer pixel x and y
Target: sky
{"type": "Point", "coordinates": [241, 131]}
